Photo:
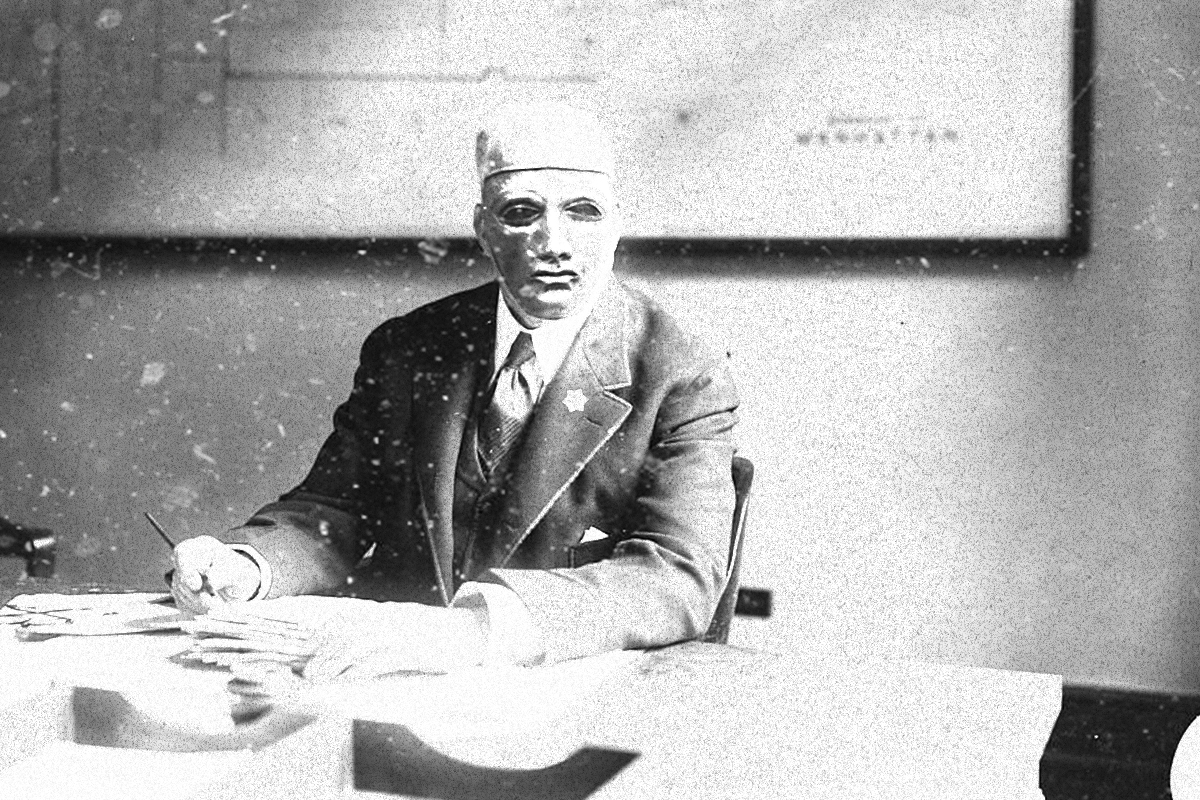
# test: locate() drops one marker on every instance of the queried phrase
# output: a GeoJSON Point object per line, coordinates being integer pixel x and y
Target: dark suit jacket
{"type": "Point", "coordinates": [646, 460]}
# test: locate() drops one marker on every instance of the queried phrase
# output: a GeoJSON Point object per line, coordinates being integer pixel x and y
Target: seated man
{"type": "Point", "coordinates": [545, 458]}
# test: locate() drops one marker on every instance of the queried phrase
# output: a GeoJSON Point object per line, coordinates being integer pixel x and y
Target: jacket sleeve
{"type": "Point", "coordinates": [315, 534]}
{"type": "Point", "coordinates": [662, 583]}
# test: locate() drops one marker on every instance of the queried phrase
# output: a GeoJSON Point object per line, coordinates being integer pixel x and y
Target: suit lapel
{"type": "Point", "coordinates": [576, 414]}
{"type": "Point", "coordinates": [444, 387]}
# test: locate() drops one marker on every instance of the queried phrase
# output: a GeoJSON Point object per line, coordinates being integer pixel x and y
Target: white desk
{"type": "Point", "coordinates": [707, 721]}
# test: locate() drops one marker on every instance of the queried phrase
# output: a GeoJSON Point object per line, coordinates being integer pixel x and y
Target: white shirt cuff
{"type": "Point", "coordinates": [512, 636]}
{"type": "Point", "coordinates": [265, 576]}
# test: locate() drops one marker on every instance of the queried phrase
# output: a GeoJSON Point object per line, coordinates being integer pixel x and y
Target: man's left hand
{"type": "Point", "coordinates": [383, 638]}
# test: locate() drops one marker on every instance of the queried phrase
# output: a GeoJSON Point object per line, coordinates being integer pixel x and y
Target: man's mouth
{"type": "Point", "coordinates": [554, 276]}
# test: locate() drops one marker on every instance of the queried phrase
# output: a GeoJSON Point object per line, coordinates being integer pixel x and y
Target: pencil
{"type": "Point", "coordinates": [158, 528]}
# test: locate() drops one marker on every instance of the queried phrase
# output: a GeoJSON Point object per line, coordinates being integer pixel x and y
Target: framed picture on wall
{"type": "Point", "coordinates": [871, 122]}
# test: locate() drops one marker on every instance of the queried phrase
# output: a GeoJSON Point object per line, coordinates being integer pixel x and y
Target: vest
{"type": "Point", "coordinates": [477, 501]}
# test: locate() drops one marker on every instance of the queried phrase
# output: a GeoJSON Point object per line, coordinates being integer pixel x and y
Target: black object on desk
{"type": "Point", "coordinates": [391, 759]}
{"type": "Point", "coordinates": [1110, 744]}
{"type": "Point", "coordinates": [35, 545]}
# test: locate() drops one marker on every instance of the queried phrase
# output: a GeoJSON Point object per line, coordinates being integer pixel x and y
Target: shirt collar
{"type": "Point", "coordinates": [551, 340]}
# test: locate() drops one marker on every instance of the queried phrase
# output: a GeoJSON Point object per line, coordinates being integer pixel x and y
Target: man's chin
{"type": "Point", "coordinates": [552, 304]}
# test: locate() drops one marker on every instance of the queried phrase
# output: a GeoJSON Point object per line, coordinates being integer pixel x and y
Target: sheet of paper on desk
{"type": "Point", "coordinates": [69, 770]}
{"type": "Point", "coordinates": [482, 702]}
{"type": "Point", "coordinates": [91, 614]}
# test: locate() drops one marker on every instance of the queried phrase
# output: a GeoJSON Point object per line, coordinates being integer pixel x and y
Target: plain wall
{"type": "Point", "coordinates": [988, 462]}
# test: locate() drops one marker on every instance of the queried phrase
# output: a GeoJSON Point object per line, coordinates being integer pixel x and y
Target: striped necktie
{"type": "Point", "coordinates": [518, 384]}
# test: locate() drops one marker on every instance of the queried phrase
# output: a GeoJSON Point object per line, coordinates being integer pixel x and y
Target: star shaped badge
{"type": "Point", "coordinates": [575, 400]}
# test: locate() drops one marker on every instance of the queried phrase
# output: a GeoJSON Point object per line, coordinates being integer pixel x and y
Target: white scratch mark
{"type": "Point", "coordinates": [180, 497]}
{"type": "Point", "coordinates": [109, 18]}
{"type": "Point", "coordinates": [153, 373]}
{"type": "Point", "coordinates": [198, 452]}
{"type": "Point", "coordinates": [433, 250]}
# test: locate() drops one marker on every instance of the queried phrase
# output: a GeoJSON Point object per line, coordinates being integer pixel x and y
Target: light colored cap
{"type": "Point", "coordinates": [541, 136]}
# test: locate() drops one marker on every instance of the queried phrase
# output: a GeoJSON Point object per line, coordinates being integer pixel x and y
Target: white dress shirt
{"type": "Point", "coordinates": [551, 340]}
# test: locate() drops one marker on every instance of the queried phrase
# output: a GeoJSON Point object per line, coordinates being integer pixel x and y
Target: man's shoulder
{"type": "Point", "coordinates": [453, 309]}
{"type": "Point", "coordinates": [435, 330]}
{"type": "Point", "coordinates": [457, 312]}
{"type": "Point", "coordinates": [680, 372]}
{"type": "Point", "coordinates": [652, 328]}
{"type": "Point", "coordinates": [662, 351]}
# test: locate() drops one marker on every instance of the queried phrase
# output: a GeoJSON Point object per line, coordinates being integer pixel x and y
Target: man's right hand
{"type": "Point", "coordinates": [209, 573]}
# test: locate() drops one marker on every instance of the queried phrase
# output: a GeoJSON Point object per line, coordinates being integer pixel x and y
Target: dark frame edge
{"type": "Point", "coordinates": [1082, 83]}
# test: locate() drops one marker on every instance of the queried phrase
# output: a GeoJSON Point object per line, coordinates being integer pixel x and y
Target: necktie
{"type": "Point", "coordinates": [518, 384]}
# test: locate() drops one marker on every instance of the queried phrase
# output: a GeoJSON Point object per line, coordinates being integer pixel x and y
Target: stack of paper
{"type": "Point", "coordinates": [242, 634]}
{"type": "Point", "coordinates": [264, 644]}
{"type": "Point", "coordinates": [89, 614]}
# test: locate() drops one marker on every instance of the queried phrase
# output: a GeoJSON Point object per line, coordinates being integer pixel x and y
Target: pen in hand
{"type": "Point", "coordinates": [170, 576]}
{"type": "Point", "coordinates": [205, 586]}
{"type": "Point", "coordinates": [159, 529]}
